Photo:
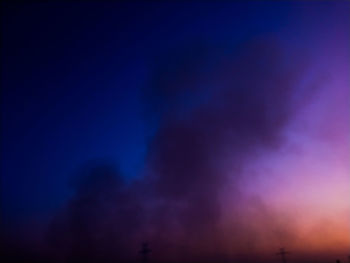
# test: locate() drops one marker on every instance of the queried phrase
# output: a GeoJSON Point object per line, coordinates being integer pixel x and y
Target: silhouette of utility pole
{"type": "Point", "coordinates": [144, 252]}
{"type": "Point", "coordinates": [283, 253]}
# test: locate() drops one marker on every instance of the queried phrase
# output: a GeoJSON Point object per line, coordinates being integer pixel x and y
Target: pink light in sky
{"type": "Point", "coordinates": [307, 180]}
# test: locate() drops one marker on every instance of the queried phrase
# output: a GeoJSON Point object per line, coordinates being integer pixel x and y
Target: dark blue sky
{"type": "Point", "coordinates": [73, 76]}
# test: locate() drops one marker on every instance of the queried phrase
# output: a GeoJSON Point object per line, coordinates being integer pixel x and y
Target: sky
{"type": "Point", "coordinates": [185, 124]}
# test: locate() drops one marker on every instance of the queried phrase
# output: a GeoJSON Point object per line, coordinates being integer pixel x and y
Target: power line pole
{"type": "Point", "coordinates": [144, 252]}
{"type": "Point", "coordinates": [283, 254]}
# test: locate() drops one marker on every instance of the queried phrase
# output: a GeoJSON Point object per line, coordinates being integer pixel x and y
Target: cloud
{"type": "Point", "coordinates": [214, 108]}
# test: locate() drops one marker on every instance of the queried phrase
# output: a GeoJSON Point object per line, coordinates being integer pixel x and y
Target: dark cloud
{"type": "Point", "coordinates": [212, 106]}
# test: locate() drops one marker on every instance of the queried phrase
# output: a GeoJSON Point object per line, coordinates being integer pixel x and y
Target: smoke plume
{"type": "Point", "coordinates": [215, 111]}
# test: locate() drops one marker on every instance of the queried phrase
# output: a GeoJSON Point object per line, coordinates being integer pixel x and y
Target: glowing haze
{"type": "Point", "coordinates": [245, 151]}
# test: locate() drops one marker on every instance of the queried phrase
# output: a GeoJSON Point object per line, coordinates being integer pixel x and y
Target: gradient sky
{"type": "Point", "coordinates": [75, 78]}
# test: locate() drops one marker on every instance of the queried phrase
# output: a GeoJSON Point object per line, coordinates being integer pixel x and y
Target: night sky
{"type": "Point", "coordinates": [214, 130]}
